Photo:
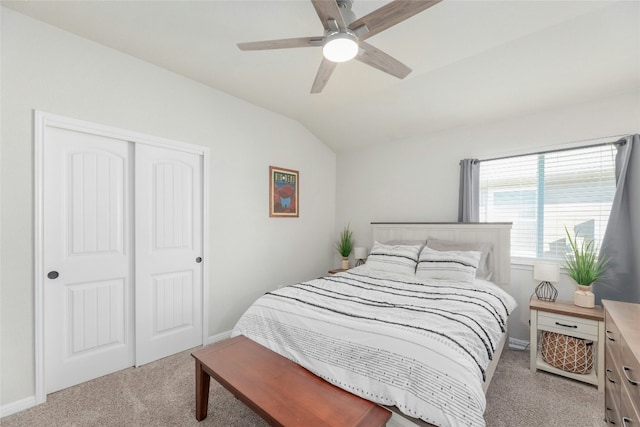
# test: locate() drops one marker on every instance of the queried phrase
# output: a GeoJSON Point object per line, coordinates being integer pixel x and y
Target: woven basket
{"type": "Point", "coordinates": [567, 353]}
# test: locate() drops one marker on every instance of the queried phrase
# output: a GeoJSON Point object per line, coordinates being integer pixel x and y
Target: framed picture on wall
{"type": "Point", "coordinates": [284, 186]}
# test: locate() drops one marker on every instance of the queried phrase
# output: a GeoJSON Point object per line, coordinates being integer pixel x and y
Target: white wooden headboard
{"type": "Point", "coordinates": [496, 233]}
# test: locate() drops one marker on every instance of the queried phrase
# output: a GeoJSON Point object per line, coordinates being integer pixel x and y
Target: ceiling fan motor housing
{"type": "Point", "coordinates": [345, 10]}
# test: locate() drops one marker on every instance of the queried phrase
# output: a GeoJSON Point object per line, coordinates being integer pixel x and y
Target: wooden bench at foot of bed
{"type": "Point", "coordinates": [280, 391]}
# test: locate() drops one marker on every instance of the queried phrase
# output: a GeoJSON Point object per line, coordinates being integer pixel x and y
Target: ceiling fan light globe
{"type": "Point", "coordinates": [340, 47]}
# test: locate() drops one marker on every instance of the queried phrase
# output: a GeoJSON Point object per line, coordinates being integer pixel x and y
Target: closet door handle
{"type": "Point", "coordinates": [53, 275]}
{"type": "Point", "coordinates": [199, 260]}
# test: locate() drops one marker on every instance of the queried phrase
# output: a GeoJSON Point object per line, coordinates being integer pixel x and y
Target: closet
{"type": "Point", "coordinates": [122, 250]}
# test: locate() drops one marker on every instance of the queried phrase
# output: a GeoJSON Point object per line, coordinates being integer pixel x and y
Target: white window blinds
{"type": "Point", "coordinates": [541, 194]}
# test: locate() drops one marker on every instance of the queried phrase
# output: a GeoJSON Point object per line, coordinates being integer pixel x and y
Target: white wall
{"type": "Point", "coordinates": [417, 179]}
{"type": "Point", "coordinates": [54, 71]}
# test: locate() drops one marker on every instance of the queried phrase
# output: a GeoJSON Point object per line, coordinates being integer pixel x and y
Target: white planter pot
{"type": "Point", "coordinates": [583, 297]}
{"type": "Point", "coordinates": [345, 264]}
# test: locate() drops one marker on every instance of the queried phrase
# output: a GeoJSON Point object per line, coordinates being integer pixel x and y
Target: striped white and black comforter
{"type": "Point", "coordinates": [421, 345]}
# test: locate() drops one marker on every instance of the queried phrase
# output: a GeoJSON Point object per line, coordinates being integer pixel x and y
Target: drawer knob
{"type": "Point", "coordinates": [626, 369]}
{"type": "Point", "coordinates": [609, 336]}
{"type": "Point", "coordinates": [566, 326]}
{"type": "Point", "coordinates": [606, 374]}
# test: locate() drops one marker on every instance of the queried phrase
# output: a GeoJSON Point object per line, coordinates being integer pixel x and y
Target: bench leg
{"type": "Point", "coordinates": [202, 392]}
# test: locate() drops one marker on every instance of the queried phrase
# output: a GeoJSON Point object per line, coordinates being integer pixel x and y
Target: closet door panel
{"type": "Point", "coordinates": [88, 293]}
{"type": "Point", "coordinates": [168, 217]}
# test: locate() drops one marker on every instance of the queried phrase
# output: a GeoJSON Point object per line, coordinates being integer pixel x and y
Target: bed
{"type": "Point", "coordinates": [412, 329]}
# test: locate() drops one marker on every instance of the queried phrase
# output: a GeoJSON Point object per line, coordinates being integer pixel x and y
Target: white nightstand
{"type": "Point", "coordinates": [566, 318]}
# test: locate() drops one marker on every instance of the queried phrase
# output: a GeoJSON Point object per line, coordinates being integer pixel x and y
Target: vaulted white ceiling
{"type": "Point", "coordinates": [473, 61]}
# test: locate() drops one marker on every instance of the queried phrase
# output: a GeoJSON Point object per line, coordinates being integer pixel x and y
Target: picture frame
{"type": "Point", "coordinates": [284, 190]}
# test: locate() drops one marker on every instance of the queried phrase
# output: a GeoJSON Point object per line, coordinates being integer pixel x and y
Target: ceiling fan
{"type": "Point", "coordinates": [344, 36]}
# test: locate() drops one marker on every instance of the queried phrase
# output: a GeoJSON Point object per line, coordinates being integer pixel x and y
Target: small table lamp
{"type": "Point", "coordinates": [360, 254]}
{"type": "Point", "coordinates": [546, 272]}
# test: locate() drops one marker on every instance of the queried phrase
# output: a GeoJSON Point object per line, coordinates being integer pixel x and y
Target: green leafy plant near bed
{"type": "Point", "coordinates": [583, 263]}
{"type": "Point", "coordinates": [344, 245]}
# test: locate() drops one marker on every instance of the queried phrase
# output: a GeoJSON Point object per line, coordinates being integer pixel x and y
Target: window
{"type": "Point", "coordinates": [541, 194]}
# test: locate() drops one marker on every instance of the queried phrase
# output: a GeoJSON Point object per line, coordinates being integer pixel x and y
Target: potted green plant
{"type": "Point", "coordinates": [344, 245]}
{"type": "Point", "coordinates": [585, 267]}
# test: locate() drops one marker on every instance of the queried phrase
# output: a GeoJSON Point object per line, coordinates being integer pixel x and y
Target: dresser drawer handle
{"type": "Point", "coordinates": [609, 336]}
{"type": "Point", "coordinates": [624, 421]}
{"type": "Point", "coordinates": [567, 326]}
{"type": "Point", "coordinates": [609, 420]}
{"type": "Point", "coordinates": [606, 374]}
{"type": "Point", "coordinates": [625, 369]}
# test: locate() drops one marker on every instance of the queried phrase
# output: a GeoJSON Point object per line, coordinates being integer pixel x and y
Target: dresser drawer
{"type": "Point", "coordinates": [612, 336]}
{"type": "Point", "coordinates": [612, 380]}
{"type": "Point", "coordinates": [611, 411]}
{"type": "Point", "coordinates": [573, 326]}
{"type": "Point", "coordinates": [630, 373]}
{"type": "Point", "coordinates": [628, 412]}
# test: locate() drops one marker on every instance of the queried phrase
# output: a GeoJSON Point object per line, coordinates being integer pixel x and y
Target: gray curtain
{"type": "Point", "coordinates": [621, 242]}
{"type": "Point", "coordinates": [469, 201]}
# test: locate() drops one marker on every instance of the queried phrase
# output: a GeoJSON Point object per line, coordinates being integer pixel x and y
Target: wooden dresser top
{"type": "Point", "coordinates": [627, 318]}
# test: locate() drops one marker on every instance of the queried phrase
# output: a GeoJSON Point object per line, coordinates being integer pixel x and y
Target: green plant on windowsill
{"type": "Point", "coordinates": [344, 245]}
{"type": "Point", "coordinates": [583, 263]}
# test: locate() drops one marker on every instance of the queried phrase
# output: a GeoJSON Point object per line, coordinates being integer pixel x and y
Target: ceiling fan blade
{"type": "Point", "coordinates": [322, 77]}
{"type": "Point", "coordinates": [327, 10]}
{"type": "Point", "coordinates": [378, 59]}
{"type": "Point", "coordinates": [391, 14]}
{"type": "Point", "coordinates": [282, 43]}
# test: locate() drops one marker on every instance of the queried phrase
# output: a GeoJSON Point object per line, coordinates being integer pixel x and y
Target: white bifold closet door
{"type": "Point", "coordinates": [120, 288]}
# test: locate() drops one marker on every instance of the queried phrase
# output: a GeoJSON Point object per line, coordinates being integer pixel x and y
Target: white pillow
{"type": "Point", "coordinates": [485, 267]}
{"type": "Point", "coordinates": [448, 265]}
{"type": "Point", "coordinates": [394, 258]}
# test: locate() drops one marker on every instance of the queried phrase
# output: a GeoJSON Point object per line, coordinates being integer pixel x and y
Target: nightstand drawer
{"type": "Point", "coordinates": [568, 325]}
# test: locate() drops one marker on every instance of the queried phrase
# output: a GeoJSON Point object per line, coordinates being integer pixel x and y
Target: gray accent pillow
{"type": "Point", "coordinates": [485, 270]}
{"type": "Point", "coordinates": [399, 242]}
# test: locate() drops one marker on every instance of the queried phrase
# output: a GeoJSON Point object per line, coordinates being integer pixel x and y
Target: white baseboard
{"type": "Point", "coordinates": [17, 406]}
{"type": "Point", "coordinates": [218, 337]}
{"type": "Point", "coordinates": [516, 344]}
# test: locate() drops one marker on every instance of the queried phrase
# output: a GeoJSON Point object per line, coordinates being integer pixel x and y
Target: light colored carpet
{"type": "Point", "coordinates": [162, 393]}
{"type": "Point", "coordinates": [519, 397]}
